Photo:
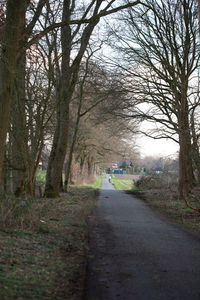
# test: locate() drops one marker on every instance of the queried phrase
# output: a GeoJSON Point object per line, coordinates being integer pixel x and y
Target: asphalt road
{"type": "Point", "coordinates": [136, 254]}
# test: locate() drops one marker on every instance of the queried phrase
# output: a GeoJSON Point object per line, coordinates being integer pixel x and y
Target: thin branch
{"type": "Point", "coordinates": [94, 18]}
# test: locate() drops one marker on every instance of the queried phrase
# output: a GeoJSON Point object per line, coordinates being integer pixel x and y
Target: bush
{"type": "Point", "coordinates": [156, 181]}
{"type": "Point", "coordinates": [21, 213]}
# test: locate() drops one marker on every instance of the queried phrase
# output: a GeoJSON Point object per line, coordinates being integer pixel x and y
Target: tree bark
{"type": "Point", "coordinates": [18, 120]}
{"type": "Point", "coordinates": [90, 163]}
{"type": "Point", "coordinates": [23, 159]}
{"type": "Point", "coordinates": [8, 57]}
{"type": "Point", "coordinates": [71, 150]}
{"type": "Point", "coordinates": [199, 14]}
{"type": "Point", "coordinates": [58, 152]}
{"type": "Point", "coordinates": [82, 162]}
{"type": "Point", "coordinates": [195, 148]}
{"type": "Point", "coordinates": [69, 162]}
{"type": "Point", "coordinates": [186, 175]}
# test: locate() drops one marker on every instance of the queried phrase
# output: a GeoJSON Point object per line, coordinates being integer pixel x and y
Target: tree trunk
{"type": "Point", "coordinates": [58, 152]}
{"type": "Point", "coordinates": [195, 149]}
{"type": "Point", "coordinates": [57, 156]}
{"type": "Point", "coordinates": [199, 14]}
{"type": "Point", "coordinates": [18, 119]}
{"type": "Point", "coordinates": [22, 162]}
{"type": "Point", "coordinates": [186, 175]}
{"type": "Point", "coordinates": [71, 151]}
{"type": "Point", "coordinates": [90, 163]}
{"type": "Point", "coordinates": [25, 156]}
{"type": "Point", "coordinates": [20, 155]}
{"type": "Point", "coordinates": [8, 57]}
{"type": "Point", "coordinates": [69, 75]}
{"type": "Point", "coordinates": [82, 162]}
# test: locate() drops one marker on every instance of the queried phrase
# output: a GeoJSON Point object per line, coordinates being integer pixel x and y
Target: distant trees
{"type": "Point", "coordinates": [161, 54]}
{"type": "Point", "coordinates": [96, 134]}
{"type": "Point", "coordinates": [159, 164]}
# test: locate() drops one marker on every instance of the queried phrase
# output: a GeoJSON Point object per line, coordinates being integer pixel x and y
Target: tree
{"type": "Point", "coordinates": [95, 132]}
{"type": "Point", "coordinates": [199, 13]}
{"type": "Point", "coordinates": [162, 44]}
{"type": "Point", "coordinates": [78, 36]}
{"type": "Point", "coordinates": [74, 36]}
{"type": "Point", "coordinates": [19, 134]}
{"type": "Point", "coordinates": [8, 57]}
{"type": "Point", "coordinates": [96, 86]}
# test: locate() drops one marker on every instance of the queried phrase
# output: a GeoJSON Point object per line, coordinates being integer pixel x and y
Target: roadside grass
{"type": "Point", "coordinates": [122, 183]}
{"type": "Point", "coordinates": [43, 245]}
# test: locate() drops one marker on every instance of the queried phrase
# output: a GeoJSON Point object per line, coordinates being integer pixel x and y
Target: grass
{"type": "Point", "coordinates": [122, 183]}
{"type": "Point", "coordinates": [43, 245]}
{"type": "Point", "coordinates": [41, 176]}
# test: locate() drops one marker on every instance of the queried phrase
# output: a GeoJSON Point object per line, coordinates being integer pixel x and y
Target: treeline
{"type": "Point", "coordinates": [52, 90]}
{"type": "Point", "coordinates": [57, 95]}
{"type": "Point", "coordinates": [162, 44]}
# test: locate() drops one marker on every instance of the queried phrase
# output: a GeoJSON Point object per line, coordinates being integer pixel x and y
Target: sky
{"type": "Point", "coordinates": [150, 147]}
{"type": "Point", "coordinates": [161, 148]}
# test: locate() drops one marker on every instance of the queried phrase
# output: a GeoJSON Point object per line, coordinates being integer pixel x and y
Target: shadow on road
{"type": "Point", "coordinates": [137, 255]}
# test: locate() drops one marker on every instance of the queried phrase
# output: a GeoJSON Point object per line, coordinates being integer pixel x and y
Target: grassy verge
{"type": "Point", "coordinates": [122, 183]}
{"type": "Point", "coordinates": [43, 245]}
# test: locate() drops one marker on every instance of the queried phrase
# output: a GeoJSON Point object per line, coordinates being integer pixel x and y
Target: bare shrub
{"type": "Point", "coordinates": [157, 181]}
{"type": "Point", "coordinates": [21, 213]}
{"type": "Point", "coordinates": [87, 180]}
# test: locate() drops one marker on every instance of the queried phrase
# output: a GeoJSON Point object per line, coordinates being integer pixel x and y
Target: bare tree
{"type": "Point", "coordinates": [199, 13]}
{"type": "Point", "coordinates": [162, 45]}
{"type": "Point", "coordinates": [96, 86]}
{"type": "Point", "coordinates": [19, 133]}
{"type": "Point", "coordinates": [79, 36]}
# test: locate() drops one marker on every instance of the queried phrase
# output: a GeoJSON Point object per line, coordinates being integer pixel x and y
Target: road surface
{"type": "Point", "coordinates": [136, 254]}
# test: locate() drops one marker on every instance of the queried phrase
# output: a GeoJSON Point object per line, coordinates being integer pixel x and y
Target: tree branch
{"type": "Point", "coordinates": [94, 18]}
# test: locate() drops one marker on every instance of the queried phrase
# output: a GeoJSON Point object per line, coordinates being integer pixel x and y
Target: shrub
{"type": "Point", "coordinates": [156, 181]}
{"type": "Point", "coordinates": [21, 213]}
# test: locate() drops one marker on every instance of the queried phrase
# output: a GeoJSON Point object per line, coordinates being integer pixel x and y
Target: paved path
{"type": "Point", "coordinates": [137, 255]}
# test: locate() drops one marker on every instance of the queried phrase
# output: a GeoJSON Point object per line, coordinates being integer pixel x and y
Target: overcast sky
{"type": "Point", "coordinates": [150, 147]}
